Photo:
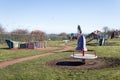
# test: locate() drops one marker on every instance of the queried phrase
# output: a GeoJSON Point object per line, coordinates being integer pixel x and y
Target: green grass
{"type": "Point", "coordinates": [37, 69]}
{"type": "Point", "coordinates": [72, 43]}
{"type": "Point", "coordinates": [115, 41]}
{"type": "Point", "coordinates": [8, 54]}
{"type": "Point", "coordinates": [54, 43]}
{"type": "Point", "coordinates": [107, 51]}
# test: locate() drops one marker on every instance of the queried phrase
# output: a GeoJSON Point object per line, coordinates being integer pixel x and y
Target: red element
{"type": "Point", "coordinates": [83, 53]}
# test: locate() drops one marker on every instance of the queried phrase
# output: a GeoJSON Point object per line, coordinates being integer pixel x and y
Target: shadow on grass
{"type": "Point", "coordinates": [5, 48]}
{"type": "Point", "coordinates": [92, 44]}
{"type": "Point", "coordinates": [68, 51]}
{"type": "Point", "coordinates": [69, 63]}
{"type": "Point", "coordinates": [107, 44]}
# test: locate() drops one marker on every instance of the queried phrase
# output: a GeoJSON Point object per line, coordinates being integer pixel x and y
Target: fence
{"type": "Point", "coordinates": [21, 37]}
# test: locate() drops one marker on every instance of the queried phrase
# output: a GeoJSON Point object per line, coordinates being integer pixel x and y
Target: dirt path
{"type": "Point", "coordinates": [11, 62]}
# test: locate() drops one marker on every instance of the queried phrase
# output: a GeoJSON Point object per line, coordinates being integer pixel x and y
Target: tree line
{"type": "Point", "coordinates": [23, 35]}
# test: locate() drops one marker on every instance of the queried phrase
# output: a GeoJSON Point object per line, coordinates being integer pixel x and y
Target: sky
{"type": "Point", "coordinates": [57, 16]}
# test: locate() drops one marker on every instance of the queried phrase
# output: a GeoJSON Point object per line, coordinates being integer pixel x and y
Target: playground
{"type": "Point", "coordinates": [73, 60]}
{"type": "Point", "coordinates": [60, 40]}
{"type": "Point", "coordinates": [86, 59]}
{"type": "Point", "coordinates": [57, 60]}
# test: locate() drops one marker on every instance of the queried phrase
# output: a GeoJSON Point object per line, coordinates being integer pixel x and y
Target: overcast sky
{"type": "Point", "coordinates": [56, 16]}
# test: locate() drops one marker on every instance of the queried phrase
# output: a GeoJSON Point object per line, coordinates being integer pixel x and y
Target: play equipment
{"type": "Point", "coordinates": [115, 34]}
{"type": "Point", "coordinates": [22, 45]}
{"type": "Point", "coordinates": [86, 56]}
{"type": "Point", "coordinates": [33, 41]}
{"type": "Point", "coordinates": [81, 48]}
{"type": "Point", "coordinates": [101, 38]}
{"type": "Point", "coordinates": [40, 40]}
{"type": "Point", "coordinates": [12, 44]}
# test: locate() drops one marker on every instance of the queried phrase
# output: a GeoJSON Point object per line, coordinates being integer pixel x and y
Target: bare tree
{"type": "Point", "coordinates": [63, 34]}
{"type": "Point", "coordinates": [2, 30]}
{"type": "Point", "coordinates": [38, 35]}
{"type": "Point", "coordinates": [20, 31]}
{"type": "Point", "coordinates": [105, 29]}
{"type": "Point", "coordinates": [38, 32]}
{"type": "Point", "coordinates": [20, 35]}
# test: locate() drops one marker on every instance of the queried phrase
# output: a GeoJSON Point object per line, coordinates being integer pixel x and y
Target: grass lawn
{"type": "Point", "coordinates": [8, 54]}
{"type": "Point", "coordinates": [37, 69]}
